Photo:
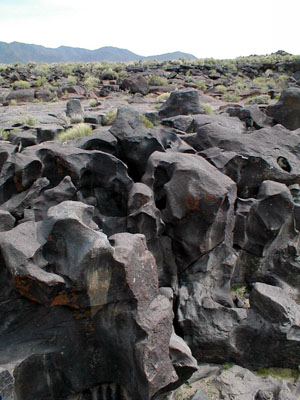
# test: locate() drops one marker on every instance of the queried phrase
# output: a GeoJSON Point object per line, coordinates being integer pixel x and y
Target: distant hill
{"type": "Point", "coordinates": [22, 52]}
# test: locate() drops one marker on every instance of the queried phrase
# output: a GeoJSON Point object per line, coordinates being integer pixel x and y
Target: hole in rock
{"type": "Point", "coordinates": [161, 177]}
{"type": "Point", "coordinates": [284, 164]}
{"type": "Point", "coordinates": [177, 328]}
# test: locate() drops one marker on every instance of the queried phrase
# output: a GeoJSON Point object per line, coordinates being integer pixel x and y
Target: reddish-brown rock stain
{"type": "Point", "coordinates": [17, 183]}
{"type": "Point", "coordinates": [196, 205]}
{"type": "Point", "coordinates": [24, 287]}
{"type": "Point", "coordinates": [66, 299]}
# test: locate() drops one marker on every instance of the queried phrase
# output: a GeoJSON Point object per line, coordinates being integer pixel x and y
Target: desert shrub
{"type": "Point", "coordinates": [76, 118]}
{"type": "Point", "coordinates": [4, 134]}
{"type": "Point", "coordinates": [41, 69]}
{"type": "Point", "coordinates": [1, 80]}
{"type": "Point", "coordinates": [21, 84]}
{"type": "Point", "coordinates": [221, 88]}
{"type": "Point", "coordinates": [163, 97]}
{"type": "Point", "coordinates": [201, 85]}
{"type": "Point", "coordinates": [146, 122]}
{"type": "Point", "coordinates": [155, 80]}
{"type": "Point", "coordinates": [93, 103]}
{"type": "Point", "coordinates": [90, 82]}
{"type": "Point", "coordinates": [227, 366]}
{"type": "Point", "coordinates": [28, 120]}
{"type": "Point", "coordinates": [282, 81]}
{"type": "Point", "coordinates": [57, 83]}
{"type": "Point", "coordinates": [278, 373]}
{"type": "Point", "coordinates": [13, 102]}
{"type": "Point", "coordinates": [264, 99]}
{"type": "Point", "coordinates": [109, 72]}
{"type": "Point", "coordinates": [72, 79]}
{"type": "Point", "coordinates": [207, 108]}
{"type": "Point", "coordinates": [109, 118]}
{"type": "Point", "coordinates": [66, 69]}
{"type": "Point", "coordinates": [75, 132]}
{"type": "Point", "coordinates": [232, 97]}
{"type": "Point", "coordinates": [264, 83]}
{"type": "Point", "coordinates": [41, 81]}
{"type": "Point", "coordinates": [123, 74]}
{"type": "Point", "coordinates": [239, 290]}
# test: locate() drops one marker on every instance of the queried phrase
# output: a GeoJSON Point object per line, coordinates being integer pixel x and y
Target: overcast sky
{"type": "Point", "coordinates": [216, 28]}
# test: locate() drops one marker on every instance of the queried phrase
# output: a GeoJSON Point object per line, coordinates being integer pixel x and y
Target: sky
{"type": "Point", "coordinates": [210, 28]}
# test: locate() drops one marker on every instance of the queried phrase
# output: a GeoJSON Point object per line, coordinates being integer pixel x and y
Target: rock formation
{"type": "Point", "coordinates": [122, 254]}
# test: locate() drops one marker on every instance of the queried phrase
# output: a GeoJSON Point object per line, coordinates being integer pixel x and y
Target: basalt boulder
{"type": "Point", "coordinates": [135, 84]}
{"type": "Point", "coordinates": [93, 303]}
{"type": "Point", "coordinates": [266, 154]}
{"type": "Point", "coordinates": [270, 334]}
{"type": "Point", "coordinates": [274, 207]}
{"type": "Point", "coordinates": [181, 102]}
{"type": "Point", "coordinates": [101, 140]}
{"type": "Point", "coordinates": [74, 108]}
{"type": "Point", "coordinates": [144, 217]}
{"type": "Point", "coordinates": [137, 143]}
{"type": "Point", "coordinates": [196, 202]}
{"type": "Point", "coordinates": [22, 202]}
{"type": "Point", "coordinates": [100, 178]}
{"type": "Point", "coordinates": [18, 173]}
{"type": "Point", "coordinates": [206, 316]}
{"type": "Point", "coordinates": [64, 191]}
{"type": "Point", "coordinates": [21, 95]}
{"type": "Point", "coordinates": [7, 221]}
{"type": "Point", "coordinates": [287, 110]}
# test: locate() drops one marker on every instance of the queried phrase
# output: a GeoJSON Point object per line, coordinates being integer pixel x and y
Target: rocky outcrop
{"type": "Point", "coordinates": [66, 273]}
{"type": "Point", "coordinates": [135, 84]}
{"type": "Point", "coordinates": [181, 102]}
{"type": "Point", "coordinates": [286, 110]}
{"type": "Point", "coordinates": [130, 256]}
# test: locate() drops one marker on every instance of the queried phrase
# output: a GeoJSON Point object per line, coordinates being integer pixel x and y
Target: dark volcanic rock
{"type": "Point", "coordinates": [64, 191]}
{"type": "Point", "coordinates": [88, 294]}
{"type": "Point", "coordinates": [23, 138]}
{"type": "Point", "coordinates": [7, 221]}
{"type": "Point", "coordinates": [137, 143]}
{"type": "Point", "coordinates": [275, 305]}
{"type": "Point", "coordinates": [21, 95]}
{"type": "Point", "coordinates": [266, 217]}
{"type": "Point", "coordinates": [182, 122]}
{"type": "Point", "coordinates": [24, 200]}
{"type": "Point", "coordinates": [195, 200]}
{"type": "Point", "coordinates": [18, 173]}
{"type": "Point", "coordinates": [135, 84]}
{"type": "Point", "coordinates": [238, 383]}
{"type": "Point", "coordinates": [144, 217]}
{"type": "Point", "coordinates": [267, 154]}
{"type": "Point", "coordinates": [287, 110]}
{"type": "Point", "coordinates": [43, 94]}
{"type": "Point", "coordinates": [74, 108]}
{"type": "Point", "coordinates": [101, 180]}
{"type": "Point", "coordinates": [252, 116]}
{"type": "Point", "coordinates": [205, 303]}
{"type": "Point", "coordinates": [6, 384]}
{"type": "Point", "coordinates": [109, 288]}
{"type": "Point", "coordinates": [101, 140]}
{"type": "Point", "coordinates": [48, 133]}
{"type": "Point", "coordinates": [181, 102]}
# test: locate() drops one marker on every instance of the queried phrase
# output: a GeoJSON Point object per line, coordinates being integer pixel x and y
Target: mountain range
{"type": "Point", "coordinates": [23, 52]}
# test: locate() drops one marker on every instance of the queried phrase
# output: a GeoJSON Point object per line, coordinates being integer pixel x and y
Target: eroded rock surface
{"type": "Point", "coordinates": [128, 256]}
